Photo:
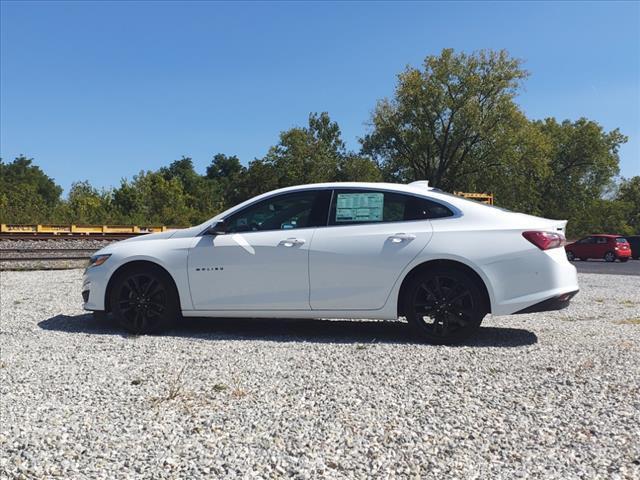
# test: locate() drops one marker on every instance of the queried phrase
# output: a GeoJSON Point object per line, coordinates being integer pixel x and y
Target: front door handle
{"type": "Point", "coordinates": [402, 237]}
{"type": "Point", "coordinates": [291, 242]}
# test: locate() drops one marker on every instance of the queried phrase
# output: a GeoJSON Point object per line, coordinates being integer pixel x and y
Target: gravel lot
{"type": "Point", "coordinates": [534, 396]}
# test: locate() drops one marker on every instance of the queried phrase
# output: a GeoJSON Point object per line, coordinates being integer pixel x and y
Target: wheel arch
{"type": "Point", "coordinates": [131, 265]}
{"type": "Point", "coordinates": [452, 264]}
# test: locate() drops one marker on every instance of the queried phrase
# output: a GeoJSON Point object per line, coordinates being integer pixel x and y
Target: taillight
{"type": "Point", "coordinates": [545, 240]}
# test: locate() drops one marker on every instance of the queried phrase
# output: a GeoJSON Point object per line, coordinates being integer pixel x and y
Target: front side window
{"type": "Point", "coordinates": [371, 206]}
{"type": "Point", "coordinates": [601, 240]}
{"type": "Point", "coordinates": [282, 212]}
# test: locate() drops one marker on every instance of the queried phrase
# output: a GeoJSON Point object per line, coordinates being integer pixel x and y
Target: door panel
{"type": "Point", "coordinates": [354, 267]}
{"type": "Point", "coordinates": [251, 270]}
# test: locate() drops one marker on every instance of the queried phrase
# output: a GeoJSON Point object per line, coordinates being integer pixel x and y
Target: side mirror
{"type": "Point", "coordinates": [218, 228]}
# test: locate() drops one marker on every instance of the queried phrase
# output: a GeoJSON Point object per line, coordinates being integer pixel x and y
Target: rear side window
{"type": "Point", "coordinates": [601, 240]}
{"type": "Point", "coordinates": [587, 240]}
{"type": "Point", "coordinates": [369, 206]}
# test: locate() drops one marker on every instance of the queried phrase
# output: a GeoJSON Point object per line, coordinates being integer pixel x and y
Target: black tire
{"type": "Point", "coordinates": [610, 257]}
{"type": "Point", "coordinates": [570, 256]}
{"type": "Point", "coordinates": [454, 297]}
{"type": "Point", "coordinates": [144, 300]}
{"type": "Point", "coordinates": [625, 259]}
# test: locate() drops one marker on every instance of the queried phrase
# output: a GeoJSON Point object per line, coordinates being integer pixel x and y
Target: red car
{"type": "Point", "coordinates": [609, 247]}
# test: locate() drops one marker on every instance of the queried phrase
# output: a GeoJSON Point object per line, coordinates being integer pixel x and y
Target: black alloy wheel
{"type": "Point", "coordinates": [144, 300]}
{"type": "Point", "coordinates": [610, 257]}
{"type": "Point", "coordinates": [445, 306]}
{"type": "Point", "coordinates": [570, 256]}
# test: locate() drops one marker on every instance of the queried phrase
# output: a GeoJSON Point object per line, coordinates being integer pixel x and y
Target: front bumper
{"type": "Point", "coordinates": [554, 303]}
{"type": "Point", "coordinates": [93, 289]}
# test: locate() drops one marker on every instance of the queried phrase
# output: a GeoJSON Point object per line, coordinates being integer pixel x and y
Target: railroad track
{"type": "Point", "coordinates": [66, 236]}
{"type": "Point", "coordinates": [44, 254]}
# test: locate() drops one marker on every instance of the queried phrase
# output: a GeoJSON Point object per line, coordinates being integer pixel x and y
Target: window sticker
{"type": "Point", "coordinates": [359, 207]}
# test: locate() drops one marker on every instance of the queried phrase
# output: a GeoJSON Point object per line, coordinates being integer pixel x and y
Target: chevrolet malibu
{"type": "Point", "coordinates": [340, 250]}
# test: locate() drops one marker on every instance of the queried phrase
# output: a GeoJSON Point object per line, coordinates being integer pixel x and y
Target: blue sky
{"type": "Point", "coordinates": [102, 90]}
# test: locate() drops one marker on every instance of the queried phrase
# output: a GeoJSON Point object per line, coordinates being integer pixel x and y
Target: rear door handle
{"type": "Point", "coordinates": [291, 242]}
{"type": "Point", "coordinates": [402, 237]}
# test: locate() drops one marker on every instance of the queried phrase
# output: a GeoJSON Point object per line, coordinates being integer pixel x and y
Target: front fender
{"type": "Point", "coordinates": [169, 254]}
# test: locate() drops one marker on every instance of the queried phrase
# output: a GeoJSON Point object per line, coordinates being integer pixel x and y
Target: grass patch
{"type": "Point", "coordinates": [219, 387]}
{"type": "Point", "coordinates": [628, 303]}
{"type": "Point", "coordinates": [239, 392]}
{"type": "Point", "coordinates": [599, 300]}
{"type": "Point", "coordinates": [174, 389]}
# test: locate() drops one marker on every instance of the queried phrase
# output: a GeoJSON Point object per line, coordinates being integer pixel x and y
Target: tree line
{"type": "Point", "coordinates": [453, 121]}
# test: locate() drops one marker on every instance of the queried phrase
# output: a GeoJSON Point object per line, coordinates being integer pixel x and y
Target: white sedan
{"type": "Point", "coordinates": [340, 250]}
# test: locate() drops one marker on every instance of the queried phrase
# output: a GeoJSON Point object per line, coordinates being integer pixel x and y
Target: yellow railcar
{"type": "Point", "coordinates": [81, 229]}
{"type": "Point", "coordinates": [479, 197]}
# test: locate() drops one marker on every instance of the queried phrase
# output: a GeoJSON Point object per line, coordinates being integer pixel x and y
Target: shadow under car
{"type": "Point", "coordinates": [290, 330]}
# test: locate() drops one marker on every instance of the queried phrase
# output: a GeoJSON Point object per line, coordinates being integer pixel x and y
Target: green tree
{"type": "Point", "coordinates": [583, 161]}
{"type": "Point", "coordinates": [27, 194]}
{"type": "Point", "coordinates": [445, 119]}
{"type": "Point", "coordinates": [228, 174]}
{"type": "Point", "coordinates": [601, 216]}
{"type": "Point", "coordinates": [202, 196]}
{"type": "Point", "coordinates": [86, 205]}
{"type": "Point", "coordinates": [150, 198]}
{"type": "Point", "coordinates": [629, 193]}
{"type": "Point", "coordinates": [312, 154]}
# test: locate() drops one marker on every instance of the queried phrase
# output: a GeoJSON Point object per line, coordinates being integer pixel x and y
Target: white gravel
{"type": "Point", "coordinates": [552, 395]}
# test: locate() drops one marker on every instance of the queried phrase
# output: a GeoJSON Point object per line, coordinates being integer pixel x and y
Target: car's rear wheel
{"type": "Point", "coordinates": [570, 256]}
{"type": "Point", "coordinates": [144, 300]}
{"type": "Point", "coordinates": [444, 306]}
{"type": "Point", "coordinates": [610, 257]}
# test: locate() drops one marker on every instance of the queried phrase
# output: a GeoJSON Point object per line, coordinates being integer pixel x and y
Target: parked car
{"type": "Point", "coordinates": [340, 250]}
{"type": "Point", "coordinates": [609, 247]}
{"type": "Point", "coordinates": [634, 243]}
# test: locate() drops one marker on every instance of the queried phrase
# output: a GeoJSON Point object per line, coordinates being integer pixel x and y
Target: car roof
{"type": "Point", "coordinates": [607, 235]}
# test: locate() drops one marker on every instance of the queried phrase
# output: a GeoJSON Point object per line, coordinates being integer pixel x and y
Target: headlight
{"type": "Point", "coordinates": [98, 260]}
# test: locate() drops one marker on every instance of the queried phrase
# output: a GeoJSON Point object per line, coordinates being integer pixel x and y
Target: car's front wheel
{"type": "Point", "coordinates": [144, 300]}
{"type": "Point", "coordinates": [570, 256]}
{"type": "Point", "coordinates": [444, 306]}
{"type": "Point", "coordinates": [610, 257]}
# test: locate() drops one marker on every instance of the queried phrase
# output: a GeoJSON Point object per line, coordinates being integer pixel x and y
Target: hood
{"type": "Point", "coordinates": [180, 233]}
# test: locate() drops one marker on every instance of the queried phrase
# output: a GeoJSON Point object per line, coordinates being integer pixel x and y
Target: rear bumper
{"type": "Point", "coordinates": [529, 278]}
{"type": "Point", "coordinates": [554, 303]}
